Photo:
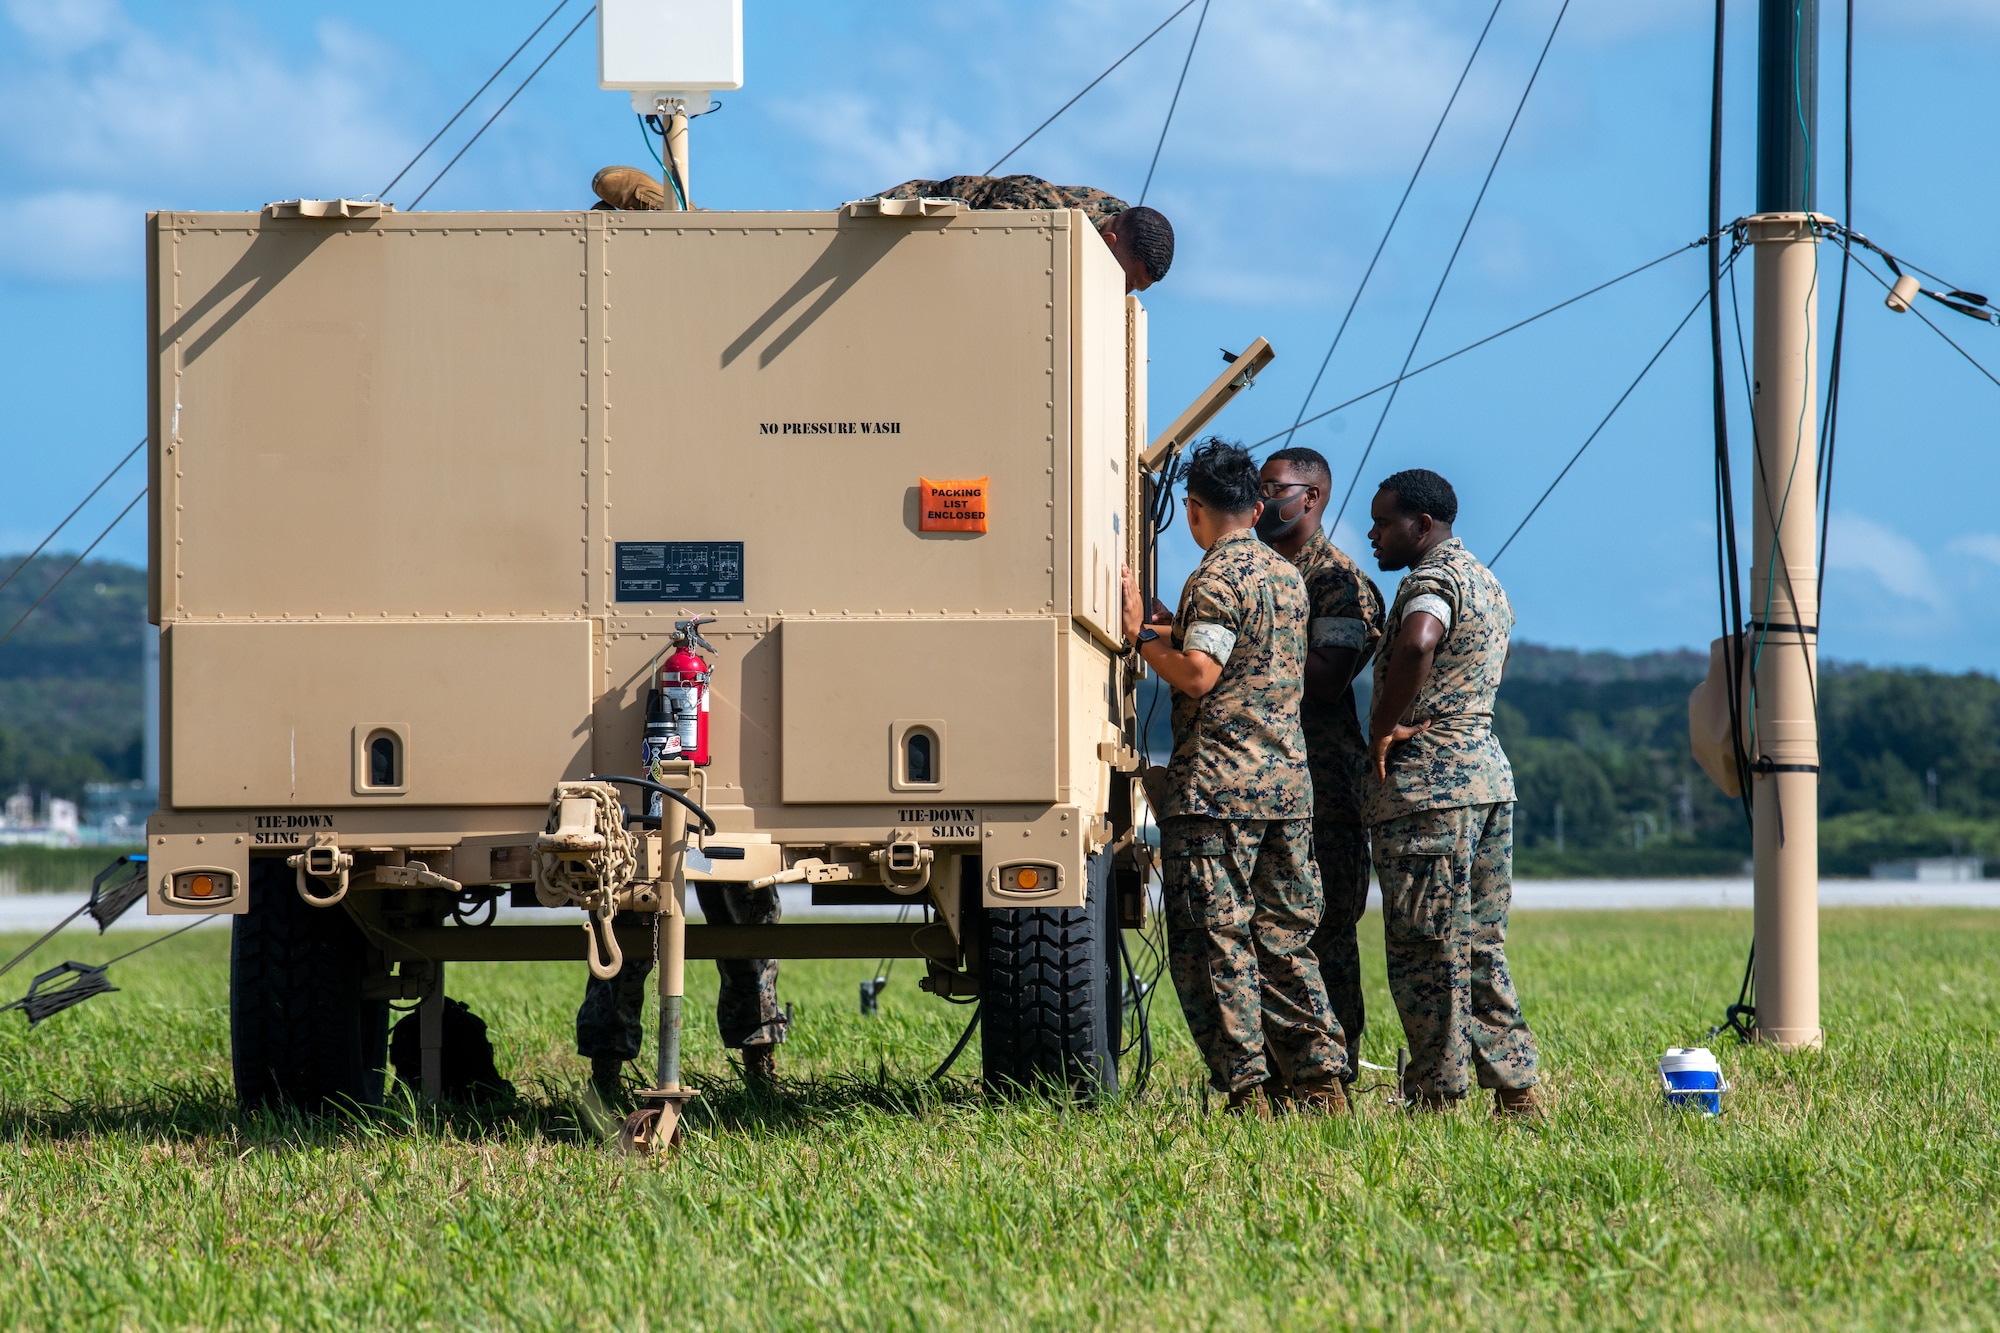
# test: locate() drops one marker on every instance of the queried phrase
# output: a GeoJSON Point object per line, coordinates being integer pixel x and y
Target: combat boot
{"type": "Point", "coordinates": [760, 1068]}
{"type": "Point", "coordinates": [1329, 1098]}
{"type": "Point", "coordinates": [1250, 1102]}
{"type": "Point", "coordinates": [1519, 1104]}
{"type": "Point", "coordinates": [607, 1075]}
{"type": "Point", "coordinates": [629, 187]}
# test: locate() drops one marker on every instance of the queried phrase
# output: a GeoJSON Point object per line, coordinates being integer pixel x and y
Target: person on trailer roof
{"type": "Point", "coordinates": [1141, 238]}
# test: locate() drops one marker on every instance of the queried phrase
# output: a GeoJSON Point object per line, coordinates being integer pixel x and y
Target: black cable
{"type": "Point", "coordinates": [1144, 1074]}
{"type": "Point", "coordinates": [1200, 19]}
{"type": "Point", "coordinates": [503, 106]}
{"type": "Point", "coordinates": [383, 192]}
{"type": "Point", "coordinates": [1863, 264]}
{"type": "Point", "coordinates": [1728, 570]}
{"type": "Point", "coordinates": [1189, 4]}
{"type": "Point", "coordinates": [958, 1050]}
{"type": "Point", "coordinates": [1453, 261]}
{"type": "Point", "coordinates": [1474, 346]}
{"type": "Point", "coordinates": [1650, 363]}
{"type": "Point", "coordinates": [1827, 432]}
{"type": "Point", "coordinates": [72, 566]}
{"type": "Point", "coordinates": [1382, 244]}
{"type": "Point", "coordinates": [115, 469]}
{"type": "Point", "coordinates": [707, 823]}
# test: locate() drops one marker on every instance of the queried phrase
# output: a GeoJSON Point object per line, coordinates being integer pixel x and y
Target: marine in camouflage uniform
{"type": "Point", "coordinates": [1345, 612]}
{"type": "Point", "coordinates": [1014, 192]}
{"type": "Point", "coordinates": [1242, 893]}
{"type": "Point", "coordinates": [1442, 826]}
{"type": "Point", "coordinates": [746, 1009]}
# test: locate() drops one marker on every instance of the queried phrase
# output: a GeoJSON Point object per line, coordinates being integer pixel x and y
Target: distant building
{"type": "Point", "coordinates": [1932, 869]}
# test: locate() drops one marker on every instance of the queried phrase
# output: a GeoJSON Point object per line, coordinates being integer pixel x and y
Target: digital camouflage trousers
{"type": "Point", "coordinates": [1342, 852]}
{"type": "Point", "coordinates": [746, 1008]}
{"type": "Point", "coordinates": [1447, 880]}
{"type": "Point", "coordinates": [1242, 901]}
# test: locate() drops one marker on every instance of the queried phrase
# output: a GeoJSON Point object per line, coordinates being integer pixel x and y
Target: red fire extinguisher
{"type": "Point", "coordinates": [683, 686]}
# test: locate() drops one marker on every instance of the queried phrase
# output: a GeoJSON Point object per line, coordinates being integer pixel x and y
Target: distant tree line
{"type": "Point", "coordinates": [71, 698]}
{"type": "Point", "coordinates": [1910, 762]}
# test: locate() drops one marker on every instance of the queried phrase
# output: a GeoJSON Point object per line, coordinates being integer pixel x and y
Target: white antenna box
{"type": "Point", "coordinates": [670, 45]}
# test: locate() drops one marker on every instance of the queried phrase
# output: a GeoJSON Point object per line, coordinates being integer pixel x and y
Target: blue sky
{"type": "Point", "coordinates": [1300, 123]}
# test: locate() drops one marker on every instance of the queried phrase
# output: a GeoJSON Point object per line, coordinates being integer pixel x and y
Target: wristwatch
{"type": "Point", "coordinates": [1145, 635]}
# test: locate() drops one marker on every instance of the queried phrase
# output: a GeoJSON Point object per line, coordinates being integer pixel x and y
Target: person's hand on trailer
{"type": "Point", "coordinates": [1193, 673]}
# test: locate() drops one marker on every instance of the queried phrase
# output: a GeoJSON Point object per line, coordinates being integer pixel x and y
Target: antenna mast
{"type": "Point", "coordinates": [1781, 650]}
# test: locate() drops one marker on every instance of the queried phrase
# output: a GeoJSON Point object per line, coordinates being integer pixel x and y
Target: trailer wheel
{"type": "Point", "coordinates": [1050, 997]}
{"type": "Point", "coordinates": [300, 1033]}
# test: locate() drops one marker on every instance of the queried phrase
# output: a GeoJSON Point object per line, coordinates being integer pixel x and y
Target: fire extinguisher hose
{"type": "Point", "coordinates": [707, 822]}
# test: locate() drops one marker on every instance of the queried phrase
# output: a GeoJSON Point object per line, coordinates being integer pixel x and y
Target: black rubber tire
{"type": "Point", "coordinates": [1050, 997]}
{"type": "Point", "coordinates": [300, 1033]}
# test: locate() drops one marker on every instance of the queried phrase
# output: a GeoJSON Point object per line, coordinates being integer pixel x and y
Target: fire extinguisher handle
{"type": "Point", "coordinates": [692, 629]}
{"type": "Point", "coordinates": [707, 822]}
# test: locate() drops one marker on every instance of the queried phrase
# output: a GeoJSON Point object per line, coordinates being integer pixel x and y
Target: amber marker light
{"type": "Point", "coordinates": [203, 886]}
{"type": "Point", "coordinates": [1028, 877]}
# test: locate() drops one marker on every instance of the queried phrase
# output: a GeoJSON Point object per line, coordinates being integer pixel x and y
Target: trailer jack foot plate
{"type": "Point", "coordinates": [657, 1122]}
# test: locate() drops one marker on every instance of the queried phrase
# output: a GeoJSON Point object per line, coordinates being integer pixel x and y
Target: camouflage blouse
{"type": "Point", "coordinates": [1238, 750]}
{"type": "Point", "coordinates": [1346, 613]}
{"type": "Point", "coordinates": [1013, 192]}
{"type": "Point", "coordinates": [1458, 761]}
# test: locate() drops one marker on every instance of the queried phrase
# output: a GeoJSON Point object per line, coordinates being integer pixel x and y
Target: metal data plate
{"type": "Point", "coordinates": [680, 572]}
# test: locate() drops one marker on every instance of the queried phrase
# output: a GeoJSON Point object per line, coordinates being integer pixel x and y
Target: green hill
{"type": "Point", "coordinates": [71, 700]}
{"type": "Point", "coordinates": [1911, 758]}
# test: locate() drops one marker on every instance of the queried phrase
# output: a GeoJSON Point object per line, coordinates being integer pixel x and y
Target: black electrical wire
{"type": "Point", "coordinates": [1828, 431]}
{"type": "Point", "coordinates": [707, 823]}
{"type": "Point", "coordinates": [1189, 4]}
{"type": "Point", "coordinates": [1389, 230]}
{"type": "Point", "coordinates": [971, 1025]}
{"type": "Point", "coordinates": [1144, 1074]}
{"type": "Point", "coordinates": [1728, 569]}
{"type": "Point", "coordinates": [1450, 263]}
{"type": "Point", "coordinates": [503, 106]}
{"type": "Point", "coordinates": [1889, 286]}
{"type": "Point", "coordinates": [1650, 363]}
{"type": "Point", "coordinates": [384, 191]}
{"type": "Point", "coordinates": [115, 469]}
{"type": "Point", "coordinates": [1152, 166]}
{"type": "Point", "coordinates": [72, 566]}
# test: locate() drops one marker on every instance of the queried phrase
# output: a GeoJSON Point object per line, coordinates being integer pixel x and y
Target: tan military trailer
{"type": "Point", "coordinates": [431, 493]}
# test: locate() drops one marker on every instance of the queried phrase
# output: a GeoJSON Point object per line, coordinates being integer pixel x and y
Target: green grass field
{"type": "Point", "coordinates": [1856, 1188]}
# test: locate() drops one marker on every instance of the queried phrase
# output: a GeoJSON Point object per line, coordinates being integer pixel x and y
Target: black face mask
{"type": "Point", "coordinates": [1270, 526]}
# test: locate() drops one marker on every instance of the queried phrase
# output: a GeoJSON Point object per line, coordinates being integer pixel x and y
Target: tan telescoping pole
{"type": "Point", "coordinates": [1782, 641]}
{"type": "Point", "coordinates": [677, 159]}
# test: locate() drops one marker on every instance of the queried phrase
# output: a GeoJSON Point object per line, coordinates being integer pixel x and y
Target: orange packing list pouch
{"type": "Point", "coordinates": [951, 506]}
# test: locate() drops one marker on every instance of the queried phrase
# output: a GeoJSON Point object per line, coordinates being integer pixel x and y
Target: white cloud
{"type": "Point", "coordinates": [66, 234]}
{"type": "Point", "coordinates": [64, 26]}
{"type": "Point", "coordinates": [1861, 545]}
{"type": "Point", "coordinates": [1979, 545]}
{"type": "Point", "coordinates": [882, 142]}
{"type": "Point", "coordinates": [98, 110]}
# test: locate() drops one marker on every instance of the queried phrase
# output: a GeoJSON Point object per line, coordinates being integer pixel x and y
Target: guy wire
{"type": "Point", "coordinates": [1187, 5]}
{"type": "Point", "coordinates": [1382, 244]}
{"type": "Point", "coordinates": [1475, 345]}
{"type": "Point", "coordinates": [115, 467]}
{"type": "Point", "coordinates": [470, 100]}
{"type": "Point", "coordinates": [1450, 263]}
{"type": "Point", "coordinates": [503, 106]}
{"type": "Point", "coordinates": [1651, 362]}
{"type": "Point", "coordinates": [1200, 19]}
{"type": "Point", "coordinates": [72, 566]}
